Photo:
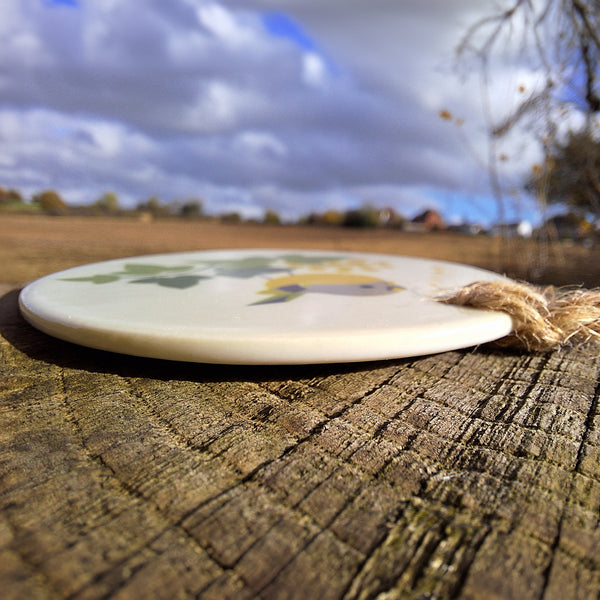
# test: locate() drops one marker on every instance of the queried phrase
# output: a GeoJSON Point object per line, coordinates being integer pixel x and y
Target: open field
{"type": "Point", "coordinates": [32, 246]}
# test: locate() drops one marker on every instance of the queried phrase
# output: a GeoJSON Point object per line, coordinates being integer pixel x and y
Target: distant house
{"type": "Point", "coordinates": [429, 220]}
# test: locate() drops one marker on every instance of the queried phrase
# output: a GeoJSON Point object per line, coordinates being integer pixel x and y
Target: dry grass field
{"type": "Point", "coordinates": [32, 246]}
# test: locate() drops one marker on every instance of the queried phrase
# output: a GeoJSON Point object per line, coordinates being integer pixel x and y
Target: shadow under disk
{"type": "Point", "coordinates": [42, 347]}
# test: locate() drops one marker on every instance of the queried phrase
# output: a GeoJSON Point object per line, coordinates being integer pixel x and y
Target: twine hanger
{"type": "Point", "coordinates": [543, 319]}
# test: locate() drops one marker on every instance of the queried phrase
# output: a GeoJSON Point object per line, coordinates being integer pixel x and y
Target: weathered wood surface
{"type": "Point", "coordinates": [470, 474]}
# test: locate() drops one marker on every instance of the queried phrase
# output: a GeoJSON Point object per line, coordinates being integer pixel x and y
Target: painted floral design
{"type": "Point", "coordinates": [284, 277]}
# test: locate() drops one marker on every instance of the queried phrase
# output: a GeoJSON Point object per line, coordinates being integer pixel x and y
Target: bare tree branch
{"type": "Point", "coordinates": [565, 35]}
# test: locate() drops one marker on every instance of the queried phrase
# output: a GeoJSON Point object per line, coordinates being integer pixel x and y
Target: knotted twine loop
{"type": "Point", "coordinates": [543, 319]}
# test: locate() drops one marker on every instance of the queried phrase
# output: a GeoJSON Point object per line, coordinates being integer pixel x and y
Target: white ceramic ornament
{"type": "Point", "coordinates": [263, 307]}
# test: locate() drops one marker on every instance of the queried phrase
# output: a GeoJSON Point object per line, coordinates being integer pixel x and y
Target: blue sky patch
{"type": "Point", "coordinates": [280, 25]}
{"type": "Point", "coordinates": [574, 90]}
{"type": "Point", "coordinates": [72, 3]}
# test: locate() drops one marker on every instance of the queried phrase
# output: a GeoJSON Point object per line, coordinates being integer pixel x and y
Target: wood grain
{"type": "Point", "coordinates": [469, 474]}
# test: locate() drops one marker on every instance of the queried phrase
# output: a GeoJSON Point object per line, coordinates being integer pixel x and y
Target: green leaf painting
{"type": "Point", "coordinates": [245, 268]}
{"type": "Point", "coordinates": [308, 259]}
{"type": "Point", "coordinates": [141, 269]}
{"type": "Point", "coordinates": [180, 282]}
{"type": "Point", "coordinates": [95, 278]}
{"type": "Point", "coordinates": [129, 269]}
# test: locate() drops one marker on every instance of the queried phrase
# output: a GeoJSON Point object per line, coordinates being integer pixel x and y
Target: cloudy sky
{"type": "Point", "coordinates": [294, 105]}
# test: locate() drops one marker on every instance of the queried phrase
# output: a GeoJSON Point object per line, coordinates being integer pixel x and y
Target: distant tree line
{"type": "Point", "coordinates": [570, 177]}
{"type": "Point", "coordinates": [50, 202]}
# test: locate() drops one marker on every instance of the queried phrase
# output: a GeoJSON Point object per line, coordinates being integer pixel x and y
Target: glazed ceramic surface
{"type": "Point", "coordinates": [263, 307]}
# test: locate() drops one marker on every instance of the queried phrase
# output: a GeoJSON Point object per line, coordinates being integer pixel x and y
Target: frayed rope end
{"type": "Point", "coordinates": [543, 319]}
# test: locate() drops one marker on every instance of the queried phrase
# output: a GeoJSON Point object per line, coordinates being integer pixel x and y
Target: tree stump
{"type": "Point", "coordinates": [468, 474]}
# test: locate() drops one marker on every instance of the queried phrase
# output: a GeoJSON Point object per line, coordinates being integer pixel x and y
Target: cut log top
{"type": "Point", "coordinates": [469, 474]}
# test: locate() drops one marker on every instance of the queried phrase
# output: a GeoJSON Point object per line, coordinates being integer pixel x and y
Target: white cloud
{"type": "Point", "coordinates": [217, 107]}
{"type": "Point", "coordinates": [314, 69]}
{"type": "Point", "coordinates": [193, 97]}
{"type": "Point", "coordinates": [259, 142]}
{"type": "Point", "coordinates": [221, 22]}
